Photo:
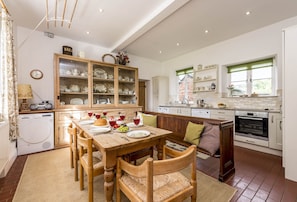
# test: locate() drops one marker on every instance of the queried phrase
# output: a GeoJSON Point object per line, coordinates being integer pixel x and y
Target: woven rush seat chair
{"type": "Point", "coordinates": [158, 180]}
{"type": "Point", "coordinates": [89, 162]}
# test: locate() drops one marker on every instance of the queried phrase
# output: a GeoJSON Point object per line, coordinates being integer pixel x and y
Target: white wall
{"type": "Point", "coordinates": [34, 50]}
{"type": "Point", "coordinates": [258, 44]}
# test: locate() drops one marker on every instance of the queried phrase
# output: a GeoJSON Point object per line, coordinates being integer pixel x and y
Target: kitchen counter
{"type": "Point", "coordinates": [217, 108]}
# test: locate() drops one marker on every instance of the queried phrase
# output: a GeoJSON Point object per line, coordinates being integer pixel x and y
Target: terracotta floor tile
{"type": "Point", "coordinates": [255, 180]}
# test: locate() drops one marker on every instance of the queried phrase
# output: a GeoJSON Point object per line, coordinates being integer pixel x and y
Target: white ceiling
{"type": "Point", "coordinates": [146, 27]}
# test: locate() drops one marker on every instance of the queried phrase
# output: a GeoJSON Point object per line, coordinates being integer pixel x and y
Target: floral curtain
{"type": "Point", "coordinates": [8, 75]}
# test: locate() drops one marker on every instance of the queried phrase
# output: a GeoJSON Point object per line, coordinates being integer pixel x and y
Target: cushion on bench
{"type": "Point", "coordinates": [193, 133]}
{"type": "Point", "coordinates": [210, 138]}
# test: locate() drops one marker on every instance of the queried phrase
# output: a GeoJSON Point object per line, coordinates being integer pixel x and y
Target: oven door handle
{"type": "Point", "coordinates": [250, 118]}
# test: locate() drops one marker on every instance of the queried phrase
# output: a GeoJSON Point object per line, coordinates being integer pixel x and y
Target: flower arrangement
{"type": "Point", "coordinates": [122, 58]}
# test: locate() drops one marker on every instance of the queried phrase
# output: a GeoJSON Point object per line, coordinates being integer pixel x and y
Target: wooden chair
{"type": "Point", "coordinates": [72, 131]}
{"type": "Point", "coordinates": [134, 156]}
{"type": "Point", "coordinates": [88, 162]}
{"type": "Point", "coordinates": [158, 180]}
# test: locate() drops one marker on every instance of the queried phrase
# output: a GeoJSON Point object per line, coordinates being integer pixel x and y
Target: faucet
{"type": "Point", "coordinates": [185, 101]}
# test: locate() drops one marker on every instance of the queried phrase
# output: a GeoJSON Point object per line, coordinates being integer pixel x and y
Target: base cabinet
{"type": "Point", "coordinates": [222, 114]}
{"type": "Point", "coordinates": [180, 111]}
{"type": "Point", "coordinates": [64, 118]}
{"type": "Point", "coordinates": [275, 131]}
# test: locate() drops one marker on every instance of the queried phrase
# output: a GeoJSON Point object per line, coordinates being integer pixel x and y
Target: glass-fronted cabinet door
{"type": "Point", "coordinates": [72, 81]}
{"type": "Point", "coordinates": [103, 84]}
{"type": "Point", "coordinates": [127, 86]}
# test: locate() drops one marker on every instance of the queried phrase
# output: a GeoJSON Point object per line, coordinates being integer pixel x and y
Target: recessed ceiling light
{"type": "Point", "coordinates": [160, 52]}
{"type": "Point", "coordinates": [206, 31]}
{"type": "Point", "coordinates": [177, 44]}
{"type": "Point", "coordinates": [248, 13]}
{"type": "Point", "coordinates": [101, 10]}
{"type": "Point", "coordinates": [87, 32]}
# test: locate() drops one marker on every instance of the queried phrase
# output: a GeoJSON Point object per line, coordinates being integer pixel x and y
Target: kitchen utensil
{"type": "Point", "coordinates": [200, 102]}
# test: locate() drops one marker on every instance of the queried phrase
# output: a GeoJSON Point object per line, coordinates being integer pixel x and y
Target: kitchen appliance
{"type": "Point", "coordinates": [41, 106]}
{"type": "Point", "coordinates": [251, 124]}
{"type": "Point", "coordinates": [203, 113]}
{"type": "Point", "coordinates": [36, 133]}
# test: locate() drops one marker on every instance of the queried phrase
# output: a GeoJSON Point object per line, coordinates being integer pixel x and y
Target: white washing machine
{"type": "Point", "coordinates": [36, 133]}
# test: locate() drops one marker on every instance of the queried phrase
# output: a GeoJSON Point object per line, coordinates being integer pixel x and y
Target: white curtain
{"type": "Point", "coordinates": [8, 75]}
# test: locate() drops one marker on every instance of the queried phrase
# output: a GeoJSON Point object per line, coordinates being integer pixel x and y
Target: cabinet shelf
{"type": "Point", "coordinates": [205, 79]}
{"type": "Point", "coordinates": [73, 77]}
{"type": "Point", "coordinates": [104, 80]}
{"type": "Point", "coordinates": [74, 93]}
{"type": "Point", "coordinates": [96, 81]}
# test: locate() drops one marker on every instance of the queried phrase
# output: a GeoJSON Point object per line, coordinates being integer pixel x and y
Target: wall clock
{"type": "Point", "coordinates": [36, 74]}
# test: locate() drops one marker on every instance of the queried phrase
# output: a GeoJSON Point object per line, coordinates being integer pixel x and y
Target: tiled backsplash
{"type": "Point", "coordinates": [272, 103]}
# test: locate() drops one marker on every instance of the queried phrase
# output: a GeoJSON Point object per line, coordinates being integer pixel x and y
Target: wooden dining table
{"type": "Point", "coordinates": [114, 144]}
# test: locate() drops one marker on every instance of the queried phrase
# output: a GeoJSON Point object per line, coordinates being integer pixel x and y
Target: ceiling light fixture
{"type": "Point", "coordinates": [160, 52]}
{"type": "Point", "coordinates": [60, 16]}
{"type": "Point", "coordinates": [206, 31]}
{"type": "Point", "coordinates": [177, 44]}
{"type": "Point", "coordinates": [247, 13]}
{"type": "Point", "coordinates": [101, 10]}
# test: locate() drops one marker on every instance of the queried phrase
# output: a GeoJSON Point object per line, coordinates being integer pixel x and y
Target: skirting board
{"type": "Point", "coordinates": [258, 148]}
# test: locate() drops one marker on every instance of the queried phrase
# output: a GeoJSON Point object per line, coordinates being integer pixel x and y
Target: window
{"type": "Point", "coordinates": [185, 85]}
{"type": "Point", "coordinates": [253, 77]}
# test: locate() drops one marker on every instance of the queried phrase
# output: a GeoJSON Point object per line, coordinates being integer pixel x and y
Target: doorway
{"type": "Point", "coordinates": [142, 95]}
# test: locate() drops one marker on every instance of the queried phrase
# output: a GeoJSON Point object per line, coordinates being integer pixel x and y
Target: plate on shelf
{"type": "Point", "coordinates": [99, 130]}
{"type": "Point", "coordinates": [86, 101]}
{"type": "Point", "coordinates": [76, 101]}
{"type": "Point", "coordinates": [132, 125]}
{"type": "Point", "coordinates": [138, 133]}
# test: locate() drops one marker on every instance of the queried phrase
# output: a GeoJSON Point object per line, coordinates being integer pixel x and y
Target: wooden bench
{"type": "Point", "coordinates": [178, 124]}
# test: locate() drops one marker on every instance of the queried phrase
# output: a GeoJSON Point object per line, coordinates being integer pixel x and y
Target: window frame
{"type": "Point", "coordinates": [185, 71]}
{"type": "Point", "coordinates": [248, 67]}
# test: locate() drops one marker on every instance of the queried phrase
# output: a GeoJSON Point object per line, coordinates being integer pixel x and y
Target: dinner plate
{"type": "Point", "coordinates": [99, 130]}
{"type": "Point", "coordinates": [132, 125]}
{"type": "Point", "coordinates": [86, 122]}
{"type": "Point", "coordinates": [138, 133]}
{"type": "Point", "coordinates": [105, 126]}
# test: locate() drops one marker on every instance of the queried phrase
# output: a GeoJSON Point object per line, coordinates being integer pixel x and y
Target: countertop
{"type": "Point", "coordinates": [226, 108]}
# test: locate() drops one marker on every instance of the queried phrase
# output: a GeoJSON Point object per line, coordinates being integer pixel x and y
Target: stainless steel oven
{"type": "Point", "coordinates": [251, 124]}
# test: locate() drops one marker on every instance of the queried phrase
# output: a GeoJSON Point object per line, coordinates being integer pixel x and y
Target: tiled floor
{"type": "Point", "coordinates": [258, 177]}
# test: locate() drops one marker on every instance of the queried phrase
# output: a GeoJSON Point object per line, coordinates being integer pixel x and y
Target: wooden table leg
{"type": "Point", "coordinates": [160, 148]}
{"type": "Point", "coordinates": [108, 184]}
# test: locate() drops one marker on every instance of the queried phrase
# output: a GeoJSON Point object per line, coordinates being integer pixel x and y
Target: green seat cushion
{"type": "Point", "coordinates": [193, 133]}
{"type": "Point", "coordinates": [147, 119]}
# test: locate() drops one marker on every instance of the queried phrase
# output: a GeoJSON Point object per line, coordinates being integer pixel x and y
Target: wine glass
{"type": "Point", "coordinates": [136, 120]}
{"type": "Point", "coordinates": [104, 113]}
{"type": "Point", "coordinates": [90, 114]}
{"type": "Point", "coordinates": [97, 116]}
{"type": "Point", "coordinates": [112, 122]}
{"type": "Point", "coordinates": [122, 116]}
